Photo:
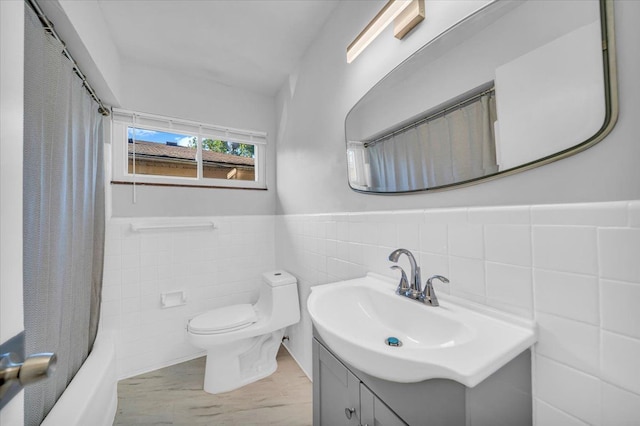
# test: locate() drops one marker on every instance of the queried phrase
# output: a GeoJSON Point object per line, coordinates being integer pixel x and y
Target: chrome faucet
{"type": "Point", "coordinates": [415, 288]}
{"type": "Point", "coordinates": [403, 286]}
{"type": "Point", "coordinates": [428, 296]}
{"type": "Point", "coordinates": [412, 288]}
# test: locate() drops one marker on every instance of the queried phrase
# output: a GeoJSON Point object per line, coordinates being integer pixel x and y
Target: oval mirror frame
{"type": "Point", "coordinates": [610, 107]}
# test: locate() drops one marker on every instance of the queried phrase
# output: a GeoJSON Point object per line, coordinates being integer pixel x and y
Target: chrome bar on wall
{"type": "Point", "coordinates": [144, 226]}
{"type": "Point", "coordinates": [48, 27]}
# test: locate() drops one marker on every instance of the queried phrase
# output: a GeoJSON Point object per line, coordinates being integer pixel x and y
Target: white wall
{"type": "Point", "coordinates": [311, 146]}
{"type": "Point", "coordinates": [124, 83]}
{"type": "Point", "coordinates": [81, 26]}
{"type": "Point", "coordinates": [166, 93]}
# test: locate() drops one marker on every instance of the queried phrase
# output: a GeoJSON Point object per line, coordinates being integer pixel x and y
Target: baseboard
{"type": "Point", "coordinates": [306, 373]}
{"type": "Point", "coordinates": [162, 365]}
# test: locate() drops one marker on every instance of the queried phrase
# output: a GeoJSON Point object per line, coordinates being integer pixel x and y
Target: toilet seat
{"type": "Point", "coordinates": [223, 320]}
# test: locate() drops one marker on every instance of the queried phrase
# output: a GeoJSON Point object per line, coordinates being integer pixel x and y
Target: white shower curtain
{"type": "Point", "coordinates": [63, 215]}
{"type": "Point", "coordinates": [454, 147]}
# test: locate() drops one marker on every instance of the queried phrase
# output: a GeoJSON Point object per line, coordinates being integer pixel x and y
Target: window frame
{"type": "Point", "coordinates": [123, 119]}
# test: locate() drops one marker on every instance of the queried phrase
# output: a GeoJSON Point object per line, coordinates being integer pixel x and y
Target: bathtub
{"type": "Point", "coordinates": [92, 396]}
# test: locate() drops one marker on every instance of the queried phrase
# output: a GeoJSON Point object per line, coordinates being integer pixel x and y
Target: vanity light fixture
{"type": "Point", "coordinates": [405, 14]}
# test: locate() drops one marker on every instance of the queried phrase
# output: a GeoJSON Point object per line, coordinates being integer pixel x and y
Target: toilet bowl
{"type": "Point", "coordinates": [242, 340]}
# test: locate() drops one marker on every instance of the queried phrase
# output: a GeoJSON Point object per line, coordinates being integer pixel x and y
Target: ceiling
{"type": "Point", "coordinates": [252, 44]}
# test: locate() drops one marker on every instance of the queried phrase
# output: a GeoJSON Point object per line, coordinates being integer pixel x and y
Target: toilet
{"type": "Point", "coordinates": [242, 340]}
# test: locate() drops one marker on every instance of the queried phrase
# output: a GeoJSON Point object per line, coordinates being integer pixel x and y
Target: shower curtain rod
{"type": "Point", "coordinates": [48, 27]}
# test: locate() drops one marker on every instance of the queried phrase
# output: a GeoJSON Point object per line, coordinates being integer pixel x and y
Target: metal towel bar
{"type": "Point", "coordinates": [136, 227]}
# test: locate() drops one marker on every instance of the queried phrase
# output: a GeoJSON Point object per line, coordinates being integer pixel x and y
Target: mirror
{"type": "Point", "coordinates": [513, 86]}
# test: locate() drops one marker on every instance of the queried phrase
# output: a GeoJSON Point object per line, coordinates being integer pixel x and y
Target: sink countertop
{"type": "Point", "coordinates": [459, 340]}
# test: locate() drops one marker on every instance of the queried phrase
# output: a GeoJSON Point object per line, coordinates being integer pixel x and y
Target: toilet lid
{"type": "Point", "coordinates": [224, 319]}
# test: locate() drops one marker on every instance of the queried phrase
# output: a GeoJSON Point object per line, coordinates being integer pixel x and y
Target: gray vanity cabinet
{"type": "Point", "coordinates": [373, 411]}
{"type": "Point", "coordinates": [340, 398]}
{"type": "Point", "coordinates": [340, 391]}
{"type": "Point", "coordinates": [344, 395]}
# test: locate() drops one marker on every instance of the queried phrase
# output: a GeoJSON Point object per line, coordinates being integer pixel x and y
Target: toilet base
{"type": "Point", "coordinates": [236, 364]}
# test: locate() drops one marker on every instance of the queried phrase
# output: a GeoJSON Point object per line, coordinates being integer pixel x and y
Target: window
{"type": "Point", "coordinates": [154, 149]}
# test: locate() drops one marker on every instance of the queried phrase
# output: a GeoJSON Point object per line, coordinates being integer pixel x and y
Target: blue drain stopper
{"type": "Point", "coordinates": [393, 341]}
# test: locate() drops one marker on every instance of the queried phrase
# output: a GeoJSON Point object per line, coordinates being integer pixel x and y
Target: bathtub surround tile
{"type": "Point", "coordinates": [619, 252]}
{"type": "Point", "coordinates": [112, 246]}
{"type": "Point", "coordinates": [130, 261]}
{"type": "Point", "coordinates": [112, 275]}
{"type": "Point", "coordinates": [110, 313]}
{"type": "Point", "coordinates": [130, 245]}
{"type": "Point", "coordinates": [130, 275]}
{"type": "Point", "coordinates": [565, 248]}
{"type": "Point", "coordinates": [131, 304]}
{"type": "Point", "coordinates": [110, 293]}
{"type": "Point", "coordinates": [567, 295]}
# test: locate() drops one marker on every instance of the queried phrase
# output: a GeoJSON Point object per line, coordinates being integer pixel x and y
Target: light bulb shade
{"type": "Point", "coordinates": [389, 12]}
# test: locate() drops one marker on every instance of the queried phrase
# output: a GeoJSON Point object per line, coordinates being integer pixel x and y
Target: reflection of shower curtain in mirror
{"type": "Point", "coordinates": [63, 215]}
{"type": "Point", "coordinates": [453, 147]}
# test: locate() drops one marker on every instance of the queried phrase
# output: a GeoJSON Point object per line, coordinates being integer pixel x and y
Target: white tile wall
{"type": "Point", "coordinates": [215, 267]}
{"type": "Point", "coordinates": [620, 407]}
{"type": "Point", "coordinates": [557, 293]}
{"type": "Point", "coordinates": [546, 414]}
{"type": "Point", "coordinates": [574, 268]}
{"type": "Point", "coordinates": [621, 308]}
{"type": "Point", "coordinates": [568, 389]}
{"type": "Point", "coordinates": [620, 355]}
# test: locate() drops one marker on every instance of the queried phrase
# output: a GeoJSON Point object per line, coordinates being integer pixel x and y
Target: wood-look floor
{"type": "Point", "coordinates": [174, 396]}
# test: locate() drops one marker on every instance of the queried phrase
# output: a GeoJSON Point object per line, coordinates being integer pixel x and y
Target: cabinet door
{"type": "Point", "coordinates": [374, 412]}
{"type": "Point", "coordinates": [336, 392]}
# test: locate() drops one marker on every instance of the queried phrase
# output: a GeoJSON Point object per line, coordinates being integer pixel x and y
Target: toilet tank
{"type": "Point", "coordinates": [279, 298]}
{"type": "Point", "coordinates": [278, 278]}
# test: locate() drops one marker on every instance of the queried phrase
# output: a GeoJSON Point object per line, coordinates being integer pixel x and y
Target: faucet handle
{"type": "Point", "coordinates": [428, 295]}
{"type": "Point", "coordinates": [403, 286]}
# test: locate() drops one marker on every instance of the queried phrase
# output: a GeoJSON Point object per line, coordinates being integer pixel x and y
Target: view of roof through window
{"type": "Point", "coordinates": [155, 152]}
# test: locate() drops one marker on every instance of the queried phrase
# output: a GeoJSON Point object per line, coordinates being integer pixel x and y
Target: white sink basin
{"type": "Point", "coordinates": [355, 317]}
